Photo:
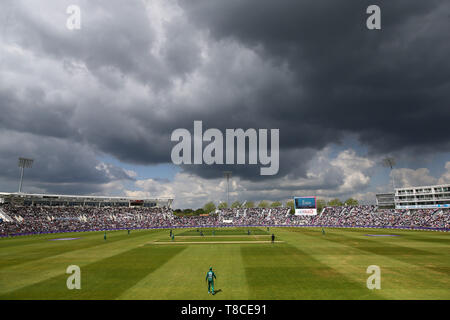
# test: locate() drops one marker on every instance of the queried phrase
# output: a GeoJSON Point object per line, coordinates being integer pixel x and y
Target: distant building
{"type": "Point", "coordinates": [437, 196]}
{"type": "Point", "coordinates": [30, 199]}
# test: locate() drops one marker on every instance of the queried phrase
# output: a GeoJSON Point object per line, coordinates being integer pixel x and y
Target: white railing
{"type": "Point", "coordinates": [4, 216]}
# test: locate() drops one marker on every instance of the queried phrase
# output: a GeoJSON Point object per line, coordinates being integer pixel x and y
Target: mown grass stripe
{"type": "Point", "coordinates": [406, 250]}
{"type": "Point", "coordinates": [104, 279]}
{"type": "Point", "coordinates": [41, 247]}
{"type": "Point", "coordinates": [25, 274]}
{"type": "Point", "coordinates": [400, 280]}
{"type": "Point", "coordinates": [286, 272]}
{"type": "Point", "coordinates": [183, 276]}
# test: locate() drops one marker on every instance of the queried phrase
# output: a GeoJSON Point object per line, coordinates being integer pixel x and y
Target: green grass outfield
{"type": "Point", "coordinates": [305, 264]}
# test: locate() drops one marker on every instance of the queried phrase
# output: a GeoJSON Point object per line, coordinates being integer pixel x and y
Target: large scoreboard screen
{"type": "Point", "coordinates": [305, 206]}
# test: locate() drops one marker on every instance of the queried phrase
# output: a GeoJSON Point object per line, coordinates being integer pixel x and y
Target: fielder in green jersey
{"type": "Point", "coordinates": [210, 276]}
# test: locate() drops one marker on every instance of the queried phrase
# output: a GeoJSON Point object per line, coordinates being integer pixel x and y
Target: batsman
{"type": "Point", "coordinates": [210, 276]}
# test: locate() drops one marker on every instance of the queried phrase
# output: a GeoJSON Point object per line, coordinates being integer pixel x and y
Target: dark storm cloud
{"type": "Point", "coordinates": [383, 85]}
{"type": "Point", "coordinates": [291, 158]}
{"type": "Point", "coordinates": [114, 30]}
{"type": "Point", "coordinates": [116, 35]}
{"type": "Point", "coordinates": [128, 78]}
{"type": "Point", "coordinates": [58, 163]}
{"type": "Point", "coordinates": [387, 86]}
{"type": "Point", "coordinates": [115, 46]}
{"type": "Point", "coordinates": [33, 113]}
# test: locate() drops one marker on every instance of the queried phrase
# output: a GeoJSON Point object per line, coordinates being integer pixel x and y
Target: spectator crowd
{"type": "Point", "coordinates": [35, 219]}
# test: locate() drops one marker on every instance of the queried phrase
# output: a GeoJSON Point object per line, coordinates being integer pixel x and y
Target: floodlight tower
{"type": "Point", "coordinates": [24, 163]}
{"type": "Point", "coordinates": [228, 175]}
{"type": "Point", "coordinates": [389, 162]}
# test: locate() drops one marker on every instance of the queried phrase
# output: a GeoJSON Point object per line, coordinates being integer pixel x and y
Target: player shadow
{"type": "Point", "coordinates": [217, 291]}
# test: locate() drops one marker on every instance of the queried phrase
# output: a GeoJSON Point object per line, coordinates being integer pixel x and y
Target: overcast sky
{"type": "Point", "coordinates": [96, 107]}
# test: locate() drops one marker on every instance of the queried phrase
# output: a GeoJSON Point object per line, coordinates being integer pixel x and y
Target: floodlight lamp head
{"type": "Point", "coordinates": [389, 162]}
{"type": "Point", "coordinates": [25, 163]}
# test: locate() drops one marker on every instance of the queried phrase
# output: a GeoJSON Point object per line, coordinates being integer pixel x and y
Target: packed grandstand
{"type": "Point", "coordinates": [20, 220]}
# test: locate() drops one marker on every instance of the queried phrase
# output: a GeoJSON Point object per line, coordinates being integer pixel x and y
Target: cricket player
{"type": "Point", "coordinates": [210, 276]}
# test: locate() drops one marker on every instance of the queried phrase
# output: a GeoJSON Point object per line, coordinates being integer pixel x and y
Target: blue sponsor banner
{"type": "Point", "coordinates": [305, 202]}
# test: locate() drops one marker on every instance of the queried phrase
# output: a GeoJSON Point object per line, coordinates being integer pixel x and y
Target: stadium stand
{"type": "Point", "coordinates": [46, 219]}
